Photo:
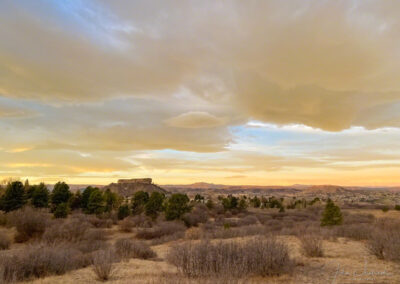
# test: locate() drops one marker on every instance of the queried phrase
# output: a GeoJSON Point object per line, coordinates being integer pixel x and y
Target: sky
{"type": "Point", "coordinates": [264, 92]}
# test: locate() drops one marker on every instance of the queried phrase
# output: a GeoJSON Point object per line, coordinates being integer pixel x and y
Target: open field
{"type": "Point", "coordinates": [334, 254]}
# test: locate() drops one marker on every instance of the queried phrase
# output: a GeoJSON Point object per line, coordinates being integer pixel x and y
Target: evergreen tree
{"type": "Point", "coordinates": [14, 197]}
{"type": "Point", "coordinates": [256, 202]}
{"type": "Point", "coordinates": [154, 204]}
{"type": "Point", "coordinates": [199, 198]}
{"type": "Point", "coordinates": [242, 204]}
{"type": "Point", "coordinates": [85, 196]}
{"type": "Point", "coordinates": [139, 200]}
{"type": "Point", "coordinates": [28, 189]}
{"type": "Point", "coordinates": [111, 200]}
{"type": "Point", "coordinates": [61, 211]}
{"type": "Point", "coordinates": [332, 214]}
{"type": "Point", "coordinates": [96, 203]}
{"type": "Point", "coordinates": [230, 202]}
{"type": "Point", "coordinates": [76, 200]}
{"type": "Point", "coordinates": [60, 194]}
{"type": "Point", "coordinates": [40, 196]}
{"type": "Point", "coordinates": [123, 211]}
{"type": "Point", "coordinates": [176, 206]}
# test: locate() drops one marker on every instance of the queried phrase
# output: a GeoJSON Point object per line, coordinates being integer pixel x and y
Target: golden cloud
{"type": "Point", "coordinates": [324, 64]}
{"type": "Point", "coordinates": [195, 119]}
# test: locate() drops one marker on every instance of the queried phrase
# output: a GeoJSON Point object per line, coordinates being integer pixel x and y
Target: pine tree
{"type": "Point", "coordinates": [332, 215]}
{"type": "Point", "coordinates": [177, 205]}
{"type": "Point", "coordinates": [96, 203]}
{"type": "Point", "coordinates": [60, 194]}
{"type": "Point", "coordinates": [61, 210]}
{"type": "Point", "coordinates": [154, 204]}
{"type": "Point", "coordinates": [139, 200]}
{"type": "Point", "coordinates": [14, 197]}
{"type": "Point", "coordinates": [123, 211]}
{"type": "Point", "coordinates": [76, 200]}
{"type": "Point", "coordinates": [40, 196]}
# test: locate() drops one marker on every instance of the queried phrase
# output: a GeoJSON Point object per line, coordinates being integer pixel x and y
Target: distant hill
{"type": "Point", "coordinates": [208, 188]}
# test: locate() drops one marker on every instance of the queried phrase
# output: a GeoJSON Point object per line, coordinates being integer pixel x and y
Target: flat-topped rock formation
{"type": "Point", "coordinates": [127, 187]}
{"type": "Point", "coordinates": [135, 180]}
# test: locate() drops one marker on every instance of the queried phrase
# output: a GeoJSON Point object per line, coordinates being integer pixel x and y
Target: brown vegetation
{"type": "Point", "coordinates": [126, 248]}
{"type": "Point", "coordinates": [261, 256]}
{"type": "Point", "coordinates": [311, 245]}
{"type": "Point", "coordinates": [29, 223]}
{"type": "Point", "coordinates": [4, 241]}
{"type": "Point", "coordinates": [103, 264]}
{"type": "Point", "coordinates": [39, 260]}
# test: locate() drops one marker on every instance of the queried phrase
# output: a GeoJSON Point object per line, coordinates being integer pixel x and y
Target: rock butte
{"type": "Point", "coordinates": [127, 187]}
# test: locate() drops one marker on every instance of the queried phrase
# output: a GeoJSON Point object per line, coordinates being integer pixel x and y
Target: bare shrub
{"type": "Point", "coordinates": [93, 239]}
{"type": "Point", "coordinates": [263, 218]}
{"type": "Point", "coordinates": [88, 247]}
{"type": "Point", "coordinates": [126, 248]}
{"type": "Point", "coordinates": [194, 233]}
{"type": "Point", "coordinates": [168, 238]}
{"type": "Point", "coordinates": [311, 245]}
{"type": "Point", "coordinates": [3, 219]}
{"type": "Point", "coordinates": [110, 217]}
{"type": "Point", "coordinates": [103, 264]}
{"type": "Point", "coordinates": [82, 236]}
{"type": "Point", "coordinates": [227, 233]}
{"type": "Point", "coordinates": [141, 221]}
{"type": "Point", "coordinates": [248, 220]}
{"type": "Point", "coordinates": [274, 225]}
{"type": "Point", "coordinates": [4, 241]}
{"type": "Point", "coordinates": [199, 214]}
{"type": "Point", "coordinates": [354, 231]}
{"type": "Point", "coordinates": [98, 222]}
{"type": "Point", "coordinates": [218, 209]}
{"type": "Point", "coordinates": [357, 218]}
{"type": "Point", "coordinates": [161, 230]}
{"type": "Point", "coordinates": [39, 261]}
{"type": "Point", "coordinates": [261, 256]}
{"type": "Point", "coordinates": [69, 231]}
{"type": "Point", "coordinates": [384, 240]}
{"type": "Point", "coordinates": [30, 223]}
{"type": "Point", "coordinates": [126, 225]}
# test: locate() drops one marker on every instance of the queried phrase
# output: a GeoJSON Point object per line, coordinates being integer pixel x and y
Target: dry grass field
{"type": "Point", "coordinates": [146, 251]}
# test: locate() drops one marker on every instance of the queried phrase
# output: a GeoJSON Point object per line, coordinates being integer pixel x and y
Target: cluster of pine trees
{"type": "Point", "coordinates": [91, 200]}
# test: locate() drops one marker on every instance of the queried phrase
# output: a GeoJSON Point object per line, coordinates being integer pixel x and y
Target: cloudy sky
{"type": "Point", "coordinates": [234, 92]}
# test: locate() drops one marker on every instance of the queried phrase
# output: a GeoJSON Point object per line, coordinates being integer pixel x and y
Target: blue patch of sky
{"type": "Point", "coordinates": [79, 18]}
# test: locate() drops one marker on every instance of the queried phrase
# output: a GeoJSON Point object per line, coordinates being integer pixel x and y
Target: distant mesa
{"type": "Point", "coordinates": [127, 187]}
{"type": "Point", "coordinates": [136, 180]}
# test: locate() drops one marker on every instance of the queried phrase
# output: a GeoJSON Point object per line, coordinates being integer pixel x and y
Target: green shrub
{"type": "Point", "coordinates": [123, 211]}
{"type": "Point", "coordinates": [61, 210]}
{"type": "Point", "coordinates": [154, 204]}
{"type": "Point", "coordinates": [177, 205]}
{"type": "Point", "coordinates": [332, 215]}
